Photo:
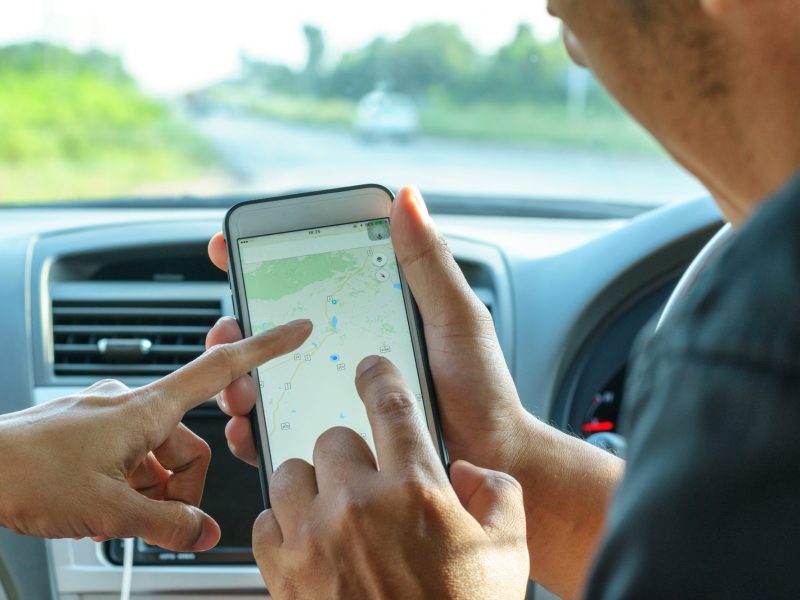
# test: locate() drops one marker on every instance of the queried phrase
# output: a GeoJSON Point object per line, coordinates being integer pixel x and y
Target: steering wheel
{"type": "Point", "coordinates": [613, 442]}
{"type": "Point", "coordinates": [689, 278]}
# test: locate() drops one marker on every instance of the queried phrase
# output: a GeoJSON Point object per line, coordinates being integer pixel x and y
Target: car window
{"type": "Point", "coordinates": [141, 99]}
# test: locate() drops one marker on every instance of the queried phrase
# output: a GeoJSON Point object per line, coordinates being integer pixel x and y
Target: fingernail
{"type": "Point", "coordinates": [208, 537]}
{"type": "Point", "coordinates": [223, 404]}
{"type": "Point", "coordinates": [366, 364]}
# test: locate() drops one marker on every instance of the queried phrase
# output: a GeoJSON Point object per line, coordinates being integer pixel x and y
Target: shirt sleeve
{"type": "Point", "coordinates": [710, 503]}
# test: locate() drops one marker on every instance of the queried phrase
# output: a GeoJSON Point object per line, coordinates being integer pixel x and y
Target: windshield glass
{"type": "Point", "coordinates": [108, 100]}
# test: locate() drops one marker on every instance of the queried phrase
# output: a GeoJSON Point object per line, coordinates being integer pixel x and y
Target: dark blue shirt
{"type": "Point", "coordinates": [710, 503]}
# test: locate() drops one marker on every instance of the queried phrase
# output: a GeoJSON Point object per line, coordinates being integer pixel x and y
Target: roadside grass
{"type": "Point", "coordinates": [304, 109]}
{"type": "Point", "coordinates": [106, 176]}
{"type": "Point", "coordinates": [80, 134]}
{"type": "Point", "coordinates": [602, 129]}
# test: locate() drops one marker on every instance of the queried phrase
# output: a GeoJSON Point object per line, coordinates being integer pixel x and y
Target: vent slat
{"type": "Point", "coordinates": [175, 330]}
{"type": "Point", "coordinates": [132, 330]}
{"type": "Point", "coordinates": [134, 311]}
{"type": "Point", "coordinates": [91, 349]}
{"type": "Point", "coordinates": [114, 369]}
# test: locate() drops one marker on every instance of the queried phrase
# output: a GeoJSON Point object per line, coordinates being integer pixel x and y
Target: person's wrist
{"type": "Point", "coordinates": [515, 449]}
{"type": "Point", "coordinates": [9, 460]}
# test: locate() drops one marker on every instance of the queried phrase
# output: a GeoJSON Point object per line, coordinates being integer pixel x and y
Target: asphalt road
{"type": "Point", "coordinates": [267, 156]}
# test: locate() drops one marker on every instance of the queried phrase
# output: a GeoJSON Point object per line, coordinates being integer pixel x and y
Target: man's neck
{"type": "Point", "coordinates": [765, 117]}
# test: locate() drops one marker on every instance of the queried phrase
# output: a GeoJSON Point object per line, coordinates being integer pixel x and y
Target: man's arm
{"type": "Point", "coordinates": [567, 486]}
{"type": "Point", "coordinates": [567, 483]}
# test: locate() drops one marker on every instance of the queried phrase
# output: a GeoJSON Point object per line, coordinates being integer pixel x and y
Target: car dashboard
{"type": "Point", "coordinates": [568, 297]}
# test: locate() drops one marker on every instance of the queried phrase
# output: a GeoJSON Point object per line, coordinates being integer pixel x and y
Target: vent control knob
{"type": "Point", "coordinates": [127, 349]}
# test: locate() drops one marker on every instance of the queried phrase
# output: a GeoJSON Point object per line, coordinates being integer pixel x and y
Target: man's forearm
{"type": "Point", "coordinates": [568, 485]}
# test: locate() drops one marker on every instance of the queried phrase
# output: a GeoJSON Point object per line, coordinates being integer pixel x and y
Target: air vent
{"type": "Point", "coordinates": [137, 338]}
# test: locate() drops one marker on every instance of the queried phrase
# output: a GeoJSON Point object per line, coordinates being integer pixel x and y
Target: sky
{"type": "Point", "coordinates": [172, 46]}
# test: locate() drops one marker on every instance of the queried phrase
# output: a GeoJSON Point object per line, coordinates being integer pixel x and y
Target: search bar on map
{"type": "Point", "coordinates": [265, 249]}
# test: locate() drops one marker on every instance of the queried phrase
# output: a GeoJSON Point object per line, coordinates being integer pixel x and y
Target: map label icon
{"type": "Point", "coordinates": [379, 259]}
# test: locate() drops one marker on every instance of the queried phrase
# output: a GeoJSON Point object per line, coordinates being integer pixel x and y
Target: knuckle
{"type": "Point", "coordinates": [184, 532]}
{"type": "Point", "coordinates": [223, 357]}
{"type": "Point", "coordinates": [221, 353]}
{"type": "Point", "coordinates": [422, 496]}
{"type": "Point", "coordinates": [285, 477]}
{"type": "Point", "coordinates": [414, 487]}
{"type": "Point", "coordinates": [105, 389]}
{"type": "Point", "coordinates": [352, 515]}
{"type": "Point", "coordinates": [502, 483]}
{"type": "Point", "coordinates": [334, 439]}
{"type": "Point", "coordinates": [395, 404]}
{"type": "Point", "coordinates": [262, 529]}
{"type": "Point", "coordinates": [203, 449]}
{"type": "Point", "coordinates": [311, 532]}
{"type": "Point", "coordinates": [111, 384]}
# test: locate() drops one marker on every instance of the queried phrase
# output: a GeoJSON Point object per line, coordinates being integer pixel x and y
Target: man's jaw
{"type": "Point", "coordinates": [574, 48]}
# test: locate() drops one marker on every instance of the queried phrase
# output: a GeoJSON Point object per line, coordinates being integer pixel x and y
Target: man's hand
{"type": "Point", "coordinates": [465, 357]}
{"type": "Point", "coordinates": [567, 483]}
{"type": "Point", "coordinates": [344, 529]}
{"type": "Point", "coordinates": [114, 462]}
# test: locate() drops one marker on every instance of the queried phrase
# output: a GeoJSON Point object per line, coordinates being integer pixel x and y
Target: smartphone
{"type": "Point", "coordinates": [326, 256]}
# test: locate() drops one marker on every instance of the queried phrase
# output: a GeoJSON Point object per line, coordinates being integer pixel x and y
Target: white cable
{"type": "Point", "coordinates": [127, 569]}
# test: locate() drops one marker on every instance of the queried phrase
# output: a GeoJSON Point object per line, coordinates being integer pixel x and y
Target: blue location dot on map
{"type": "Point", "coordinates": [334, 301]}
{"type": "Point", "coordinates": [334, 357]}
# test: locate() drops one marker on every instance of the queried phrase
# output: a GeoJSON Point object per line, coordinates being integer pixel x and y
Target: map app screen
{"type": "Point", "coordinates": [345, 279]}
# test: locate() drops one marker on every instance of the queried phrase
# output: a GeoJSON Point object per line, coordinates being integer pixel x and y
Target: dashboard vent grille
{"type": "Point", "coordinates": [129, 338]}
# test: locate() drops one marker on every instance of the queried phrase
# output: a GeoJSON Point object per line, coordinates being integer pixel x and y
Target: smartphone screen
{"type": "Point", "coordinates": [345, 279]}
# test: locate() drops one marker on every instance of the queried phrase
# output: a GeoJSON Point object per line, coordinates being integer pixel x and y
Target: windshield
{"type": "Point", "coordinates": [160, 99]}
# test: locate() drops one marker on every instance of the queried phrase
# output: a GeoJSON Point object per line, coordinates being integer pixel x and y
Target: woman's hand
{"type": "Point", "coordinates": [113, 462]}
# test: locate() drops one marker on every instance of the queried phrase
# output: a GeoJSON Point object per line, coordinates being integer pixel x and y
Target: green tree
{"type": "Point", "coordinates": [270, 77]}
{"type": "Point", "coordinates": [525, 69]}
{"type": "Point", "coordinates": [315, 43]}
{"type": "Point", "coordinates": [437, 55]}
{"type": "Point", "coordinates": [359, 71]}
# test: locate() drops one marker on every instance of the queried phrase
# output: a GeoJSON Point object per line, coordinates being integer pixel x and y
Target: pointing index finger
{"type": "Point", "coordinates": [402, 439]}
{"type": "Point", "coordinates": [214, 370]}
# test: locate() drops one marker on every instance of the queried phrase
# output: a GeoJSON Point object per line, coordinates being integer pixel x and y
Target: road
{"type": "Point", "coordinates": [267, 156]}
